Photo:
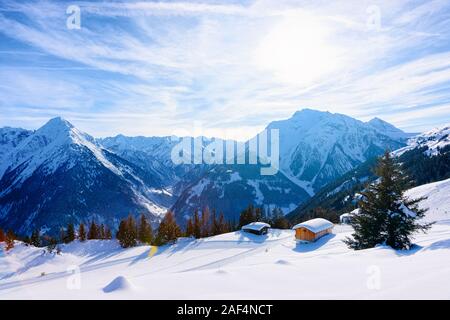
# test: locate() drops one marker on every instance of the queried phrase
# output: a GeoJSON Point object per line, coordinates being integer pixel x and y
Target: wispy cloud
{"type": "Point", "coordinates": [153, 67]}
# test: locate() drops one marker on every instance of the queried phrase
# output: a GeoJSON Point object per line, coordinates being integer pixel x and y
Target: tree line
{"type": "Point", "coordinates": [131, 232]}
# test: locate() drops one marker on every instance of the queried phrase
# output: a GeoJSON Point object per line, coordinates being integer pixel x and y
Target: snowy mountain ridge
{"type": "Point", "coordinates": [317, 147]}
{"type": "Point", "coordinates": [432, 140]}
{"type": "Point", "coordinates": [59, 174]}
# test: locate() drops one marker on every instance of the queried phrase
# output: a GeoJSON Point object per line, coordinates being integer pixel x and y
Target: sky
{"type": "Point", "coordinates": [225, 68]}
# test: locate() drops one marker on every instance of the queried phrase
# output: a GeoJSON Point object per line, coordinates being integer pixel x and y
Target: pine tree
{"type": "Point", "coordinates": [62, 235]}
{"type": "Point", "coordinates": [189, 228]}
{"type": "Point", "coordinates": [127, 233]}
{"type": "Point", "coordinates": [120, 235]}
{"type": "Point", "coordinates": [145, 231]}
{"type": "Point", "coordinates": [219, 224]}
{"type": "Point", "coordinates": [247, 216]}
{"type": "Point", "coordinates": [131, 235]}
{"type": "Point", "coordinates": [222, 224]}
{"type": "Point", "coordinates": [168, 230]}
{"type": "Point", "coordinates": [2, 236]}
{"type": "Point", "coordinates": [82, 232]}
{"type": "Point", "coordinates": [278, 220]}
{"type": "Point", "coordinates": [52, 243]}
{"type": "Point", "coordinates": [35, 239]}
{"type": "Point", "coordinates": [197, 228]}
{"type": "Point", "coordinates": [258, 214]}
{"type": "Point", "coordinates": [108, 234]}
{"type": "Point", "coordinates": [93, 231]}
{"type": "Point", "coordinates": [385, 215]}
{"type": "Point", "coordinates": [205, 223]}
{"type": "Point", "coordinates": [70, 236]}
{"type": "Point", "coordinates": [26, 240]}
{"type": "Point", "coordinates": [101, 232]}
{"type": "Point", "coordinates": [9, 240]}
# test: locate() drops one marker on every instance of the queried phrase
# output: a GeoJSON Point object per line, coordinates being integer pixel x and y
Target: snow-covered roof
{"type": "Point", "coordinates": [257, 226]}
{"type": "Point", "coordinates": [345, 215]}
{"type": "Point", "coordinates": [315, 225]}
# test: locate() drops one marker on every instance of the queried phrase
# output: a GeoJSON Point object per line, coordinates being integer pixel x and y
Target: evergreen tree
{"type": "Point", "coordinates": [205, 223]}
{"type": "Point", "coordinates": [127, 233]}
{"type": "Point", "coordinates": [145, 233]}
{"type": "Point", "coordinates": [35, 239]}
{"type": "Point", "coordinates": [197, 228]}
{"type": "Point", "coordinates": [168, 230]}
{"type": "Point", "coordinates": [247, 216]}
{"type": "Point", "coordinates": [131, 234]}
{"type": "Point", "coordinates": [277, 219]}
{"type": "Point", "coordinates": [120, 235]}
{"type": "Point", "coordinates": [62, 235]}
{"type": "Point", "coordinates": [101, 232]}
{"type": "Point", "coordinates": [219, 224]}
{"type": "Point", "coordinates": [70, 236]}
{"type": "Point", "coordinates": [189, 228]}
{"type": "Point", "coordinates": [258, 214]}
{"type": "Point", "coordinates": [82, 232]}
{"type": "Point", "coordinates": [2, 236]}
{"type": "Point", "coordinates": [9, 240]}
{"type": "Point", "coordinates": [52, 243]}
{"type": "Point", "coordinates": [385, 215]}
{"type": "Point", "coordinates": [108, 234]}
{"type": "Point", "coordinates": [93, 231]}
{"type": "Point", "coordinates": [26, 240]}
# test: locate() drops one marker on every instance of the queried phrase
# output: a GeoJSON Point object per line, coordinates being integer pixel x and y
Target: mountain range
{"type": "Point", "coordinates": [59, 174]}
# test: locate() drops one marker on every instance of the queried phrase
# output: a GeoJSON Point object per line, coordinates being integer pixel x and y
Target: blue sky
{"type": "Point", "coordinates": [228, 67]}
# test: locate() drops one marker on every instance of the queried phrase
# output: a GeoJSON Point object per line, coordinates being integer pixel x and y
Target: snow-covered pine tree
{"type": "Point", "coordinates": [385, 215]}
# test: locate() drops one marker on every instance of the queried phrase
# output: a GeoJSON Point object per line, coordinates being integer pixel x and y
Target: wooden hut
{"type": "Point", "coordinates": [312, 230]}
{"type": "Point", "coordinates": [256, 228]}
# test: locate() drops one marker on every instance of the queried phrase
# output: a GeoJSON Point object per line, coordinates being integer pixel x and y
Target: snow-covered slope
{"type": "Point", "coordinates": [154, 155]}
{"type": "Point", "coordinates": [9, 139]}
{"type": "Point", "coordinates": [318, 147]}
{"type": "Point", "coordinates": [59, 174]}
{"type": "Point", "coordinates": [437, 200]}
{"type": "Point", "coordinates": [238, 265]}
{"type": "Point", "coordinates": [388, 129]}
{"type": "Point", "coordinates": [432, 141]}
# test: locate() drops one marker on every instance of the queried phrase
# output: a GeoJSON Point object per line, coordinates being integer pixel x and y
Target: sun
{"type": "Point", "coordinates": [297, 50]}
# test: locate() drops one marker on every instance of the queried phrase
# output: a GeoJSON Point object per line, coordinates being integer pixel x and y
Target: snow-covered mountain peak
{"type": "Point", "coordinates": [52, 145]}
{"type": "Point", "coordinates": [62, 131]}
{"type": "Point", "coordinates": [388, 129]}
{"type": "Point", "coordinates": [317, 147]}
{"type": "Point", "coordinates": [432, 140]}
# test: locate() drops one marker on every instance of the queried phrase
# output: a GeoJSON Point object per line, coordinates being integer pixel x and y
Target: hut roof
{"type": "Point", "coordinates": [315, 225]}
{"type": "Point", "coordinates": [257, 226]}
